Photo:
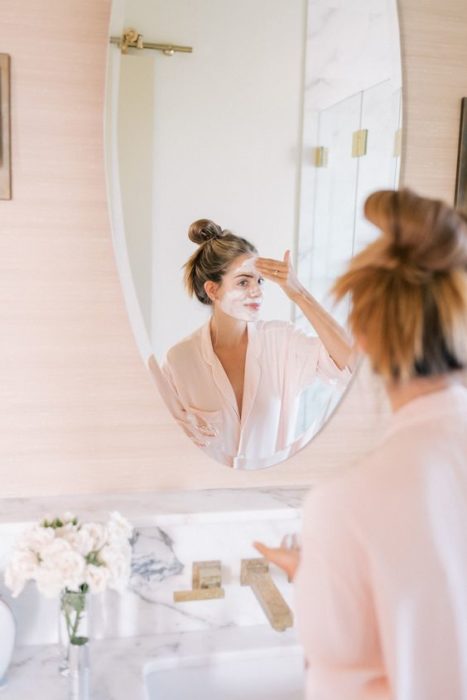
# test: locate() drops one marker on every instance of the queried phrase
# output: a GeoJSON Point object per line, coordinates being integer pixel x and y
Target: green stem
{"type": "Point", "coordinates": [76, 606]}
{"type": "Point", "coordinates": [75, 628]}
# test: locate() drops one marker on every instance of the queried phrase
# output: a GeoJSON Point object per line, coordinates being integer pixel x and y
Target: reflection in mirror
{"type": "Point", "coordinates": [259, 148]}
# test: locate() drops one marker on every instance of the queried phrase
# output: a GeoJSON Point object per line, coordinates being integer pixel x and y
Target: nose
{"type": "Point", "coordinates": [256, 291]}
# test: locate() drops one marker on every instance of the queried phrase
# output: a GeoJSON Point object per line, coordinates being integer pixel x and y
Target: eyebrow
{"type": "Point", "coordinates": [245, 274]}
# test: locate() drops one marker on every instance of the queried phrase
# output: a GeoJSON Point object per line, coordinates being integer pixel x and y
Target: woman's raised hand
{"type": "Point", "coordinates": [281, 272]}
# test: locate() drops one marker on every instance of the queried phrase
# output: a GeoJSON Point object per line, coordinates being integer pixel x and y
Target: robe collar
{"type": "Point", "coordinates": [252, 370]}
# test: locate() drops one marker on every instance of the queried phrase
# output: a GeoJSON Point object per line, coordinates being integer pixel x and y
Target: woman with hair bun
{"type": "Point", "coordinates": [237, 379]}
{"type": "Point", "coordinates": [381, 578]}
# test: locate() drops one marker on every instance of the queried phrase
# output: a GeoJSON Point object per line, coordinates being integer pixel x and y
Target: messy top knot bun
{"type": "Point", "coordinates": [409, 288]}
{"type": "Point", "coordinates": [218, 248]}
{"type": "Point", "coordinates": [425, 233]}
{"type": "Point", "coordinates": [204, 230]}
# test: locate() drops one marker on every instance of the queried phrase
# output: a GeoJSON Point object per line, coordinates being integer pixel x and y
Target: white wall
{"type": "Point", "coordinates": [225, 141]}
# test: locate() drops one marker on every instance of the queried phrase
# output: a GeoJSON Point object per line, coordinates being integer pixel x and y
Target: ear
{"type": "Point", "coordinates": [211, 289]}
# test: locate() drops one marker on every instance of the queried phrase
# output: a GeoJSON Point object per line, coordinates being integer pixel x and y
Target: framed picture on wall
{"type": "Point", "coordinates": [460, 197]}
{"type": "Point", "coordinates": [5, 139]}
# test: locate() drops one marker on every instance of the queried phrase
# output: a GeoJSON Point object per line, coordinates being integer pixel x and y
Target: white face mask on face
{"type": "Point", "coordinates": [243, 296]}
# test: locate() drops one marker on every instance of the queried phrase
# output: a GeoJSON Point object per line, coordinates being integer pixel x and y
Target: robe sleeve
{"type": "Point", "coordinates": [334, 608]}
{"type": "Point", "coordinates": [195, 425]}
{"type": "Point", "coordinates": [313, 361]}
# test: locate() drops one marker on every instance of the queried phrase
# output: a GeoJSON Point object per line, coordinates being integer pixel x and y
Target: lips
{"type": "Point", "coordinates": [253, 307]}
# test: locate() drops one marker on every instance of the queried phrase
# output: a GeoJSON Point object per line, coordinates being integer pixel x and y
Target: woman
{"type": "Point", "coordinates": [239, 379]}
{"type": "Point", "coordinates": [381, 585]}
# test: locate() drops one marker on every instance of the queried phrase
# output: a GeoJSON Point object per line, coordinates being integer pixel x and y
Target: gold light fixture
{"type": "Point", "coordinates": [132, 39]}
{"type": "Point", "coordinates": [319, 156]}
{"type": "Point", "coordinates": [359, 143]}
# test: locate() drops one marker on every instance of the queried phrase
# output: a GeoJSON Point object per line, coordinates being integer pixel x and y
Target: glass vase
{"type": "Point", "coordinates": [74, 632]}
{"type": "Point", "coordinates": [79, 672]}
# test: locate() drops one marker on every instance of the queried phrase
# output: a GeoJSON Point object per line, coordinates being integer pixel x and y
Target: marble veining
{"type": "Point", "coordinates": [153, 559]}
{"type": "Point", "coordinates": [171, 532]}
{"type": "Point", "coordinates": [142, 630]}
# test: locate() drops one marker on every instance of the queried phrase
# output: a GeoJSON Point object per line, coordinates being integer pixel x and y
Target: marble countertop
{"type": "Point", "coordinates": [143, 628]}
{"type": "Point", "coordinates": [160, 508]}
{"type": "Point", "coordinates": [119, 666]}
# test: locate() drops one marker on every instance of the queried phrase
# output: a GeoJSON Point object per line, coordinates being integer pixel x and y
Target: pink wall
{"type": "Point", "coordinates": [79, 412]}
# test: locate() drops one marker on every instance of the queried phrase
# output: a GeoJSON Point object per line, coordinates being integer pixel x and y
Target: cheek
{"type": "Point", "coordinates": [234, 295]}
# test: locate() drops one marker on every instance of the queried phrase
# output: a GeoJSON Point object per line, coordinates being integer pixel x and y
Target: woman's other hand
{"type": "Point", "coordinates": [198, 430]}
{"type": "Point", "coordinates": [285, 558]}
{"type": "Point", "coordinates": [281, 272]}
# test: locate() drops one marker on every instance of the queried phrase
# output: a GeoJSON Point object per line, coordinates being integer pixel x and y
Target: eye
{"type": "Point", "coordinates": [260, 280]}
{"type": "Point", "coordinates": [243, 283]}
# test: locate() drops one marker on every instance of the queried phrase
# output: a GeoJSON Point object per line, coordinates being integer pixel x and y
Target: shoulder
{"type": "Point", "coordinates": [184, 347]}
{"type": "Point", "coordinates": [347, 498]}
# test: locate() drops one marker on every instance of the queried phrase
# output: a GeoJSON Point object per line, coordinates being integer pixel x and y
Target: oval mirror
{"type": "Point", "coordinates": [270, 121]}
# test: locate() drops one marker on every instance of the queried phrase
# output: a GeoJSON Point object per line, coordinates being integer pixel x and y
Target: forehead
{"type": "Point", "coordinates": [243, 264]}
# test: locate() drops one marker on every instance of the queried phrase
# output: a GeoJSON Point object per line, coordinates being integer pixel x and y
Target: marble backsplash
{"type": "Point", "coordinates": [171, 532]}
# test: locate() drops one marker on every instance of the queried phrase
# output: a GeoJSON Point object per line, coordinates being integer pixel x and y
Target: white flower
{"type": "Point", "coordinates": [79, 539]}
{"type": "Point", "coordinates": [21, 567]}
{"type": "Point", "coordinates": [36, 538]}
{"type": "Point", "coordinates": [118, 527]}
{"type": "Point", "coordinates": [97, 578]}
{"type": "Point", "coordinates": [97, 534]}
{"type": "Point", "coordinates": [65, 557]}
{"type": "Point", "coordinates": [118, 562]}
{"type": "Point", "coordinates": [49, 582]}
{"type": "Point", "coordinates": [62, 559]}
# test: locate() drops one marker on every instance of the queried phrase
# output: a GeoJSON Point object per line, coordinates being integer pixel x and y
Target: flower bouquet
{"type": "Point", "coordinates": [68, 559]}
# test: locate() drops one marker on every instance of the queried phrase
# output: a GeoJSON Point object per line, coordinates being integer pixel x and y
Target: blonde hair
{"type": "Point", "coordinates": [408, 289]}
{"type": "Point", "coordinates": [217, 249]}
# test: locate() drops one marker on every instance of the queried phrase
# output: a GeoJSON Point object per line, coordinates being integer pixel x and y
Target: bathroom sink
{"type": "Point", "coordinates": [267, 674]}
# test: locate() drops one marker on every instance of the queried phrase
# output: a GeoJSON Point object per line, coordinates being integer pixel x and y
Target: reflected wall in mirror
{"type": "Point", "coordinates": [272, 132]}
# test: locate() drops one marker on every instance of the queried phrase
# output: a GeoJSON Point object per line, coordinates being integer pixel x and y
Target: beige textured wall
{"type": "Point", "coordinates": [434, 50]}
{"type": "Point", "coordinates": [78, 410]}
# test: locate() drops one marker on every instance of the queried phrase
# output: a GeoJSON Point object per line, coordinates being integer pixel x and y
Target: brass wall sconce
{"type": "Point", "coordinates": [319, 156]}
{"type": "Point", "coordinates": [5, 128]}
{"type": "Point", "coordinates": [132, 39]}
{"type": "Point", "coordinates": [359, 143]}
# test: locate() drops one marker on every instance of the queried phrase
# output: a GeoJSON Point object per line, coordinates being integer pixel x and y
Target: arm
{"type": "Point", "coordinates": [200, 432]}
{"type": "Point", "coordinates": [336, 619]}
{"type": "Point", "coordinates": [331, 334]}
{"type": "Point", "coordinates": [334, 606]}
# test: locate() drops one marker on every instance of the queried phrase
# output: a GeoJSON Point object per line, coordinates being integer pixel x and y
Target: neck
{"type": "Point", "coordinates": [226, 331]}
{"type": "Point", "coordinates": [401, 394]}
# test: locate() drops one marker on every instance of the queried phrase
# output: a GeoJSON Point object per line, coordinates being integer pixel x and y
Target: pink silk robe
{"type": "Point", "coordinates": [381, 591]}
{"type": "Point", "coordinates": [281, 362]}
